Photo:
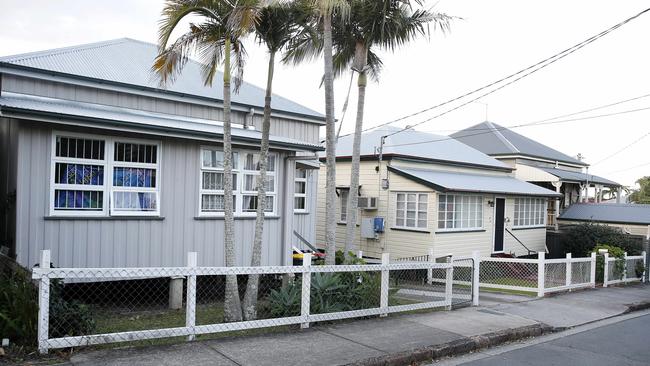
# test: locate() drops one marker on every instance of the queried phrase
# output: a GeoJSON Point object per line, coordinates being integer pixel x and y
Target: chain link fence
{"type": "Point", "coordinates": [85, 306]}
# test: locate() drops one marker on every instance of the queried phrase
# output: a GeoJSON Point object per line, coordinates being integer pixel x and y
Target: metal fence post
{"type": "Point", "coordinates": [624, 267]}
{"type": "Point", "coordinates": [190, 306]}
{"type": "Point", "coordinates": [645, 268]}
{"type": "Point", "coordinates": [540, 274]}
{"type": "Point", "coordinates": [605, 269]}
{"type": "Point", "coordinates": [306, 290]}
{"type": "Point", "coordinates": [592, 273]}
{"type": "Point", "coordinates": [44, 303]}
{"type": "Point", "coordinates": [476, 277]}
{"type": "Point", "coordinates": [449, 282]}
{"type": "Point", "coordinates": [432, 259]}
{"type": "Point", "coordinates": [567, 276]}
{"type": "Point", "coordinates": [385, 276]}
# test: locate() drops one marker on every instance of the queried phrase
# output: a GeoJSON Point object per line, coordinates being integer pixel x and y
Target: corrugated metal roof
{"type": "Point", "coordinates": [578, 177]}
{"type": "Point", "coordinates": [462, 182]}
{"type": "Point", "coordinates": [624, 213]}
{"type": "Point", "coordinates": [441, 148]}
{"type": "Point", "coordinates": [108, 116]}
{"type": "Point", "coordinates": [129, 61]}
{"type": "Point", "coordinates": [493, 139]}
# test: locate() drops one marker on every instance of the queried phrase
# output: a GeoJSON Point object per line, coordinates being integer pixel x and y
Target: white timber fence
{"type": "Point", "coordinates": [89, 306]}
{"type": "Point", "coordinates": [539, 276]}
{"type": "Point", "coordinates": [624, 270]}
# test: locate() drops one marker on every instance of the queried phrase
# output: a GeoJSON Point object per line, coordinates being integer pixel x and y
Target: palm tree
{"type": "Point", "coordinates": [214, 40]}
{"type": "Point", "coordinates": [386, 24]}
{"type": "Point", "coordinates": [275, 25]}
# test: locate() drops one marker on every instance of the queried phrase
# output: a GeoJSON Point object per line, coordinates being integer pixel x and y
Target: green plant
{"type": "Point", "coordinates": [581, 239]}
{"type": "Point", "coordinates": [619, 265]}
{"type": "Point", "coordinates": [18, 308]}
{"type": "Point", "coordinates": [327, 291]}
{"type": "Point", "coordinates": [68, 317]}
{"type": "Point", "coordinates": [285, 301]}
{"type": "Point", "coordinates": [639, 269]}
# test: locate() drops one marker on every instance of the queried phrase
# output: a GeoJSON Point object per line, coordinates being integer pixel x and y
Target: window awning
{"type": "Point", "coordinates": [308, 164]}
{"type": "Point", "coordinates": [473, 183]}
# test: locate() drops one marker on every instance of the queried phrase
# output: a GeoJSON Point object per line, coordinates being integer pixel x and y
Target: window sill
{"type": "Point", "coordinates": [221, 218]}
{"type": "Point", "coordinates": [301, 212]}
{"type": "Point", "coordinates": [460, 231]}
{"type": "Point", "coordinates": [106, 218]}
{"type": "Point", "coordinates": [411, 230]}
{"type": "Point", "coordinates": [529, 227]}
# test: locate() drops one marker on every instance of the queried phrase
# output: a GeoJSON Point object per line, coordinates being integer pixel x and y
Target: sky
{"type": "Point", "coordinates": [488, 40]}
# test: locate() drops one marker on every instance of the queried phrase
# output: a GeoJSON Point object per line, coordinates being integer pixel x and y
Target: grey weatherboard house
{"type": "Point", "coordinates": [107, 169]}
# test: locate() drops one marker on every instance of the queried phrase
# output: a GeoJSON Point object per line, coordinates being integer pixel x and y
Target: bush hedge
{"type": "Point", "coordinates": [581, 239]}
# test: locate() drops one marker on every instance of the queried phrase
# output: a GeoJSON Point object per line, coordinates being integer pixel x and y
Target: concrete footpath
{"type": "Point", "coordinates": [397, 339]}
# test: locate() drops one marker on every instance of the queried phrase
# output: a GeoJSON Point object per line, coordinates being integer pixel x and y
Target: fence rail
{"type": "Point", "coordinates": [624, 270]}
{"type": "Point", "coordinates": [304, 294]}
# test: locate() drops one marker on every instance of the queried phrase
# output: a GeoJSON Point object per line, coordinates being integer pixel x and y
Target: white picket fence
{"type": "Point", "coordinates": [624, 270]}
{"type": "Point", "coordinates": [388, 272]}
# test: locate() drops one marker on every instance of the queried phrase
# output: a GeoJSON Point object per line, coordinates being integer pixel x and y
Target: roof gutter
{"type": "Point", "coordinates": [417, 159]}
{"type": "Point", "coordinates": [61, 118]}
{"type": "Point", "coordinates": [86, 81]}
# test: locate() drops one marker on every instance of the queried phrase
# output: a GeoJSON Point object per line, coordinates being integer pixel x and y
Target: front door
{"type": "Point", "coordinates": [499, 222]}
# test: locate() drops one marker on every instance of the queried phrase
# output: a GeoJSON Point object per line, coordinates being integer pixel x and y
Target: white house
{"type": "Point", "coordinates": [435, 192]}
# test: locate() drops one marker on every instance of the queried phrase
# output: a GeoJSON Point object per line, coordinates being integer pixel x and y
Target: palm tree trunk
{"type": "Point", "coordinates": [353, 197]}
{"type": "Point", "coordinates": [232, 308]}
{"type": "Point", "coordinates": [252, 287]}
{"type": "Point", "coordinates": [330, 194]}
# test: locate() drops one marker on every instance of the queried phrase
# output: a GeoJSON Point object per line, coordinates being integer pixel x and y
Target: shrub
{"type": "Point", "coordinates": [619, 266]}
{"type": "Point", "coordinates": [285, 301]}
{"type": "Point", "coordinates": [581, 239]}
{"type": "Point", "coordinates": [68, 317]}
{"type": "Point", "coordinates": [18, 308]}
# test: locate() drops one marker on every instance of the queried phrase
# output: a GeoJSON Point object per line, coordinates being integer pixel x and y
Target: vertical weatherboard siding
{"type": "Point", "coordinates": [285, 127]}
{"type": "Point", "coordinates": [129, 242]}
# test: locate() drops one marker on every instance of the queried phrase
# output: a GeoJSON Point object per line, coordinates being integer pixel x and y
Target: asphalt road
{"type": "Point", "coordinates": [622, 343]}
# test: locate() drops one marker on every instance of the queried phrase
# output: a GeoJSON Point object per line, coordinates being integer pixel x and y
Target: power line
{"type": "Point", "coordinates": [622, 149]}
{"type": "Point", "coordinates": [533, 68]}
{"type": "Point", "coordinates": [630, 168]}
{"type": "Point", "coordinates": [537, 123]}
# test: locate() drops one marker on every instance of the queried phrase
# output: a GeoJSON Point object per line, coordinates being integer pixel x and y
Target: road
{"type": "Point", "coordinates": [618, 341]}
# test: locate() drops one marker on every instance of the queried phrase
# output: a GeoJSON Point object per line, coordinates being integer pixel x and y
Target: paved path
{"type": "Point", "coordinates": [622, 342]}
{"type": "Point", "coordinates": [356, 341]}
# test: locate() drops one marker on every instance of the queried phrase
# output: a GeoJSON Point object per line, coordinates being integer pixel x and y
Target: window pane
{"type": "Point", "coordinates": [299, 203]}
{"type": "Point", "coordinates": [79, 148]}
{"type": "Point", "coordinates": [214, 159]}
{"type": "Point", "coordinates": [300, 173]}
{"type": "Point", "coordinates": [65, 199]}
{"type": "Point", "coordinates": [300, 187]}
{"type": "Point", "coordinates": [135, 153]}
{"type": "Point", "coordinates": [83, 174]}
{"type": "Point", "coordinates": [135, 201]}
{"type": "Point", "coordinates": [214, 203]}
{"type": "Point", "coordinates": [134, 177]}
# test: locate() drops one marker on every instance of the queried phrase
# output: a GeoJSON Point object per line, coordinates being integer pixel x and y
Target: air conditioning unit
{"type": "Point", "coordinates": [368, 203]}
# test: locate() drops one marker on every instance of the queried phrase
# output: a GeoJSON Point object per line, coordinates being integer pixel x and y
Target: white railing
{"type": "Point", "coordinates": [624, 270]}
{"type": "Point", "coordinates": [408, 280]}
{"type": "Point", "coordinates": [540, 276]}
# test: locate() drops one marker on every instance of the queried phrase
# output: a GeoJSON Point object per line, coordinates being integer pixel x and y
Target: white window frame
{"type": "Point", "coordinates": [126, 164]}
{"type": "Point", "coordinates": [538, 206]}
{"type": "Point", "coordinates": [479, 198]}
{"type": "Point", "coordinates": [238, 189]}
{"type": "Point", "coordinates": [107, 188]}
{"type": "Point", "coordinates": [305, 180]}
{"type": "Point", "coordinates": [343, 205]}
{"type": "Point", "coordinates": [417, 211]}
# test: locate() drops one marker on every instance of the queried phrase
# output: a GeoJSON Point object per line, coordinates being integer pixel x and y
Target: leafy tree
{"type": "Point", "coordinates": [214, 40]}
{"type": "Point", "coordinates": [274, 26]}
{"type": "Point", "coordinates": [641, 195]}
